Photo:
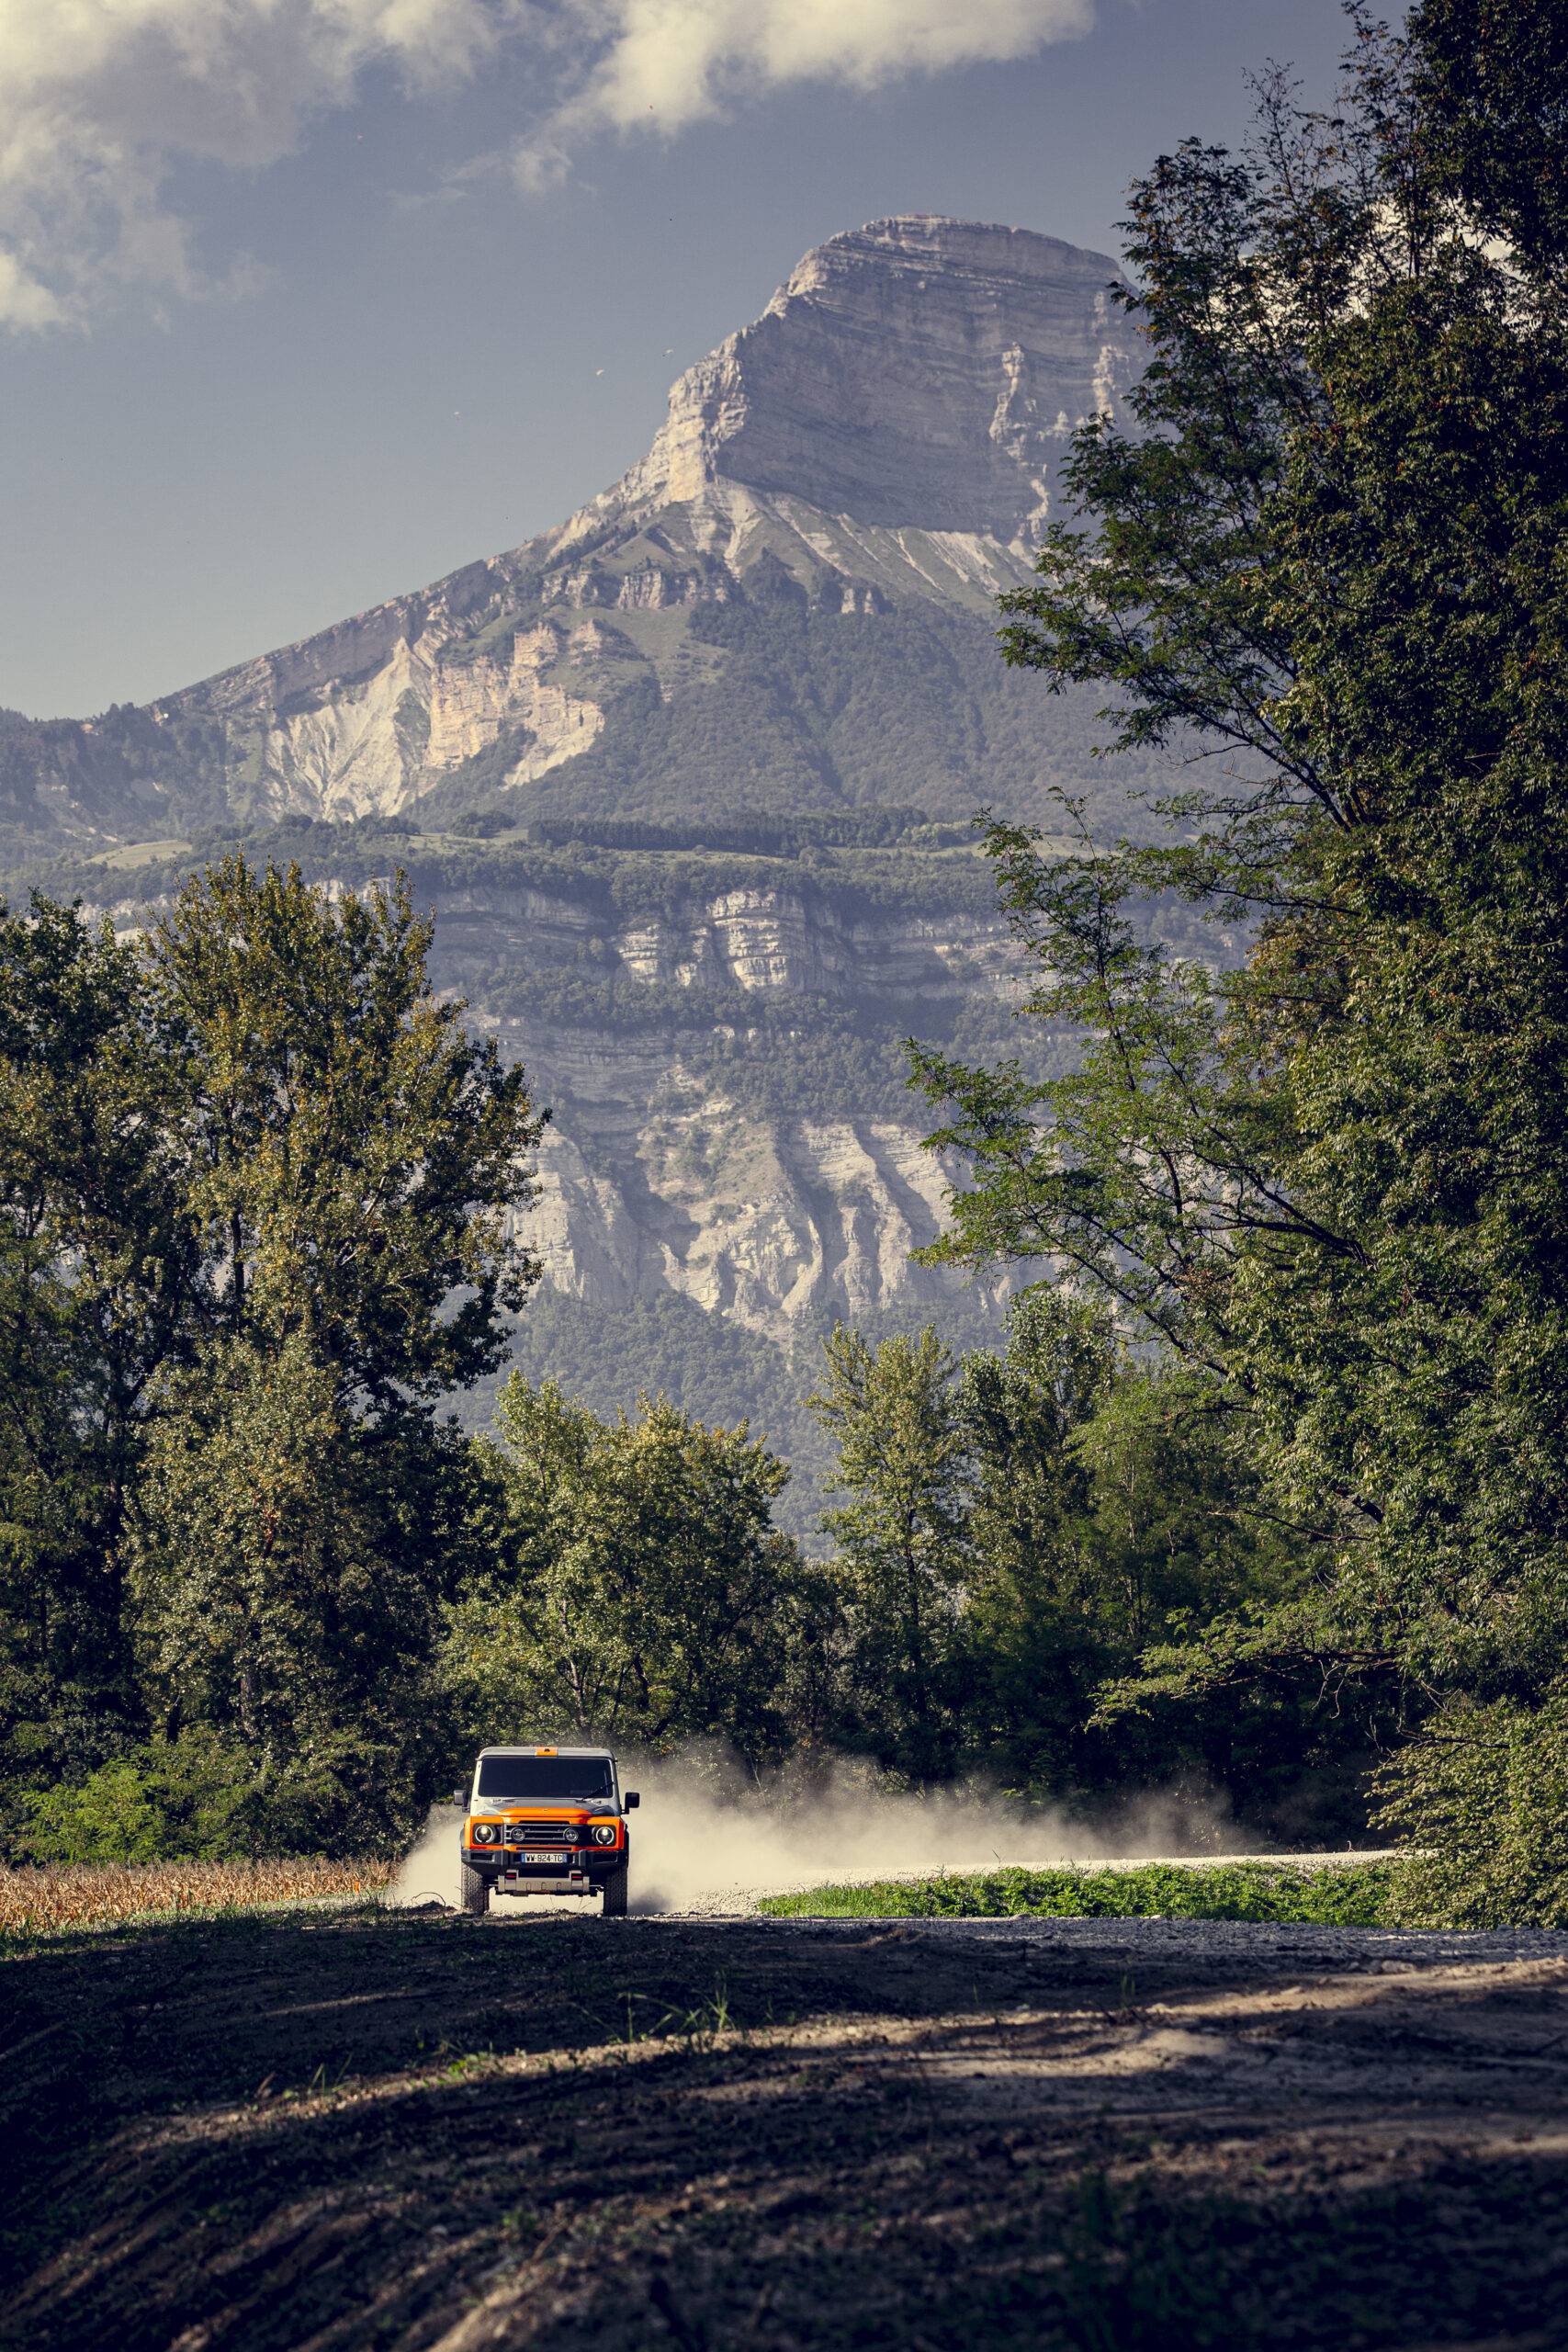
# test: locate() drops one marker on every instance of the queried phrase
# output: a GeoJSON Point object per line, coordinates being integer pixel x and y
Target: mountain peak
{"type": "Point", "coordinates": [932, 241]}
{"type": "Point", "coordinates": [918, 371]}
{"type": "Point", "coordinates": [887, 435]}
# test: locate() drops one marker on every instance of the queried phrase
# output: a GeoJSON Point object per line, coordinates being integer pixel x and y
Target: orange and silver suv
{"type": "Point", "coordinates": [544, 1821]}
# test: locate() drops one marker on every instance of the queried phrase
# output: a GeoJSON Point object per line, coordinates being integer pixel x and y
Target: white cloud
{"type": "Point", "coordinates": [24, 302]}
{"type": "Point", "coordinates": [662, 64]}
{"type": "Point", "coordinates": [100, 98]}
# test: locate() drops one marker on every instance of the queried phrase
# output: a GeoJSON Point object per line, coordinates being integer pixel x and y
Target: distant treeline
{"type": "Point", "coordinates": [756, 836]}
{"type": "Point", "coordinates": [911, 877]}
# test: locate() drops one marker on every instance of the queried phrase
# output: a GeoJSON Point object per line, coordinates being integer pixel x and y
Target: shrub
{"type": "Point", "coordinates": [187, 1797]}
{"type": "Point", "coordinates": [1482, 1798]}
{"type": "Point", "coordinates": [1342, 1895]}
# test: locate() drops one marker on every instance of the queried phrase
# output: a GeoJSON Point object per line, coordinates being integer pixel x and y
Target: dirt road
{"type": "Point", "coordinates": [352, 2130]}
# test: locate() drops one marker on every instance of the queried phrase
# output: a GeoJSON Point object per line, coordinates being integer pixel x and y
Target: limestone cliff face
{"type": "Point", "coordinates": [919, 372]}
{"type": "Point", "coordinates": [888, 435]}
{"type": "Point", "coordinates": [361, 747]}
{"type": "Point", "coordinates": [787, 939]}
{"type": "Point", "coordinates": [655, 1175]}
{"type": "Point", "coordinates": [773, 1224]}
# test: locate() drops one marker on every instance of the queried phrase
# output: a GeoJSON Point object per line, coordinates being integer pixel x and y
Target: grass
{"type": "Point", "coordinates": [131, 854]}
{"type": "Point", "coordinates": [57, 1899]}
{"type": "Point", "coordinates": [1339, 1894]}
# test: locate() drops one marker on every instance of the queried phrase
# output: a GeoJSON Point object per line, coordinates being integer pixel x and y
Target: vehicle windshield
{"type": "Point", "coordinates": [519, 1779]}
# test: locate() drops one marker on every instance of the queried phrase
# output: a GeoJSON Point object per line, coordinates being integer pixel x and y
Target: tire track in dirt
{"type": "Point", "coordinates": [374, 2130]}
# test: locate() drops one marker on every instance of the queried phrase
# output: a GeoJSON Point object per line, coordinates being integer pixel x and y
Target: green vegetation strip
{"type": "Point", "coordinates": [1337, 1895]}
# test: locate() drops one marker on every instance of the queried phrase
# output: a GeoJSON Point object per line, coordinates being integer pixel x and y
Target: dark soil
{"type": "Point", "coordinates": [347, 2130]}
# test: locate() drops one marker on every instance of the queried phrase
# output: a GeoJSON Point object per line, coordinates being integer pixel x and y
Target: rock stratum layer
{"type": "Point", "coordinates": [918, 374]}
{"type": "Point", "coordinates": [676, 1160]}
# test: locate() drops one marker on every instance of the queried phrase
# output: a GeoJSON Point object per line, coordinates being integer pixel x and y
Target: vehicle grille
{"type": "Point", "coordinates": [539, 1833]}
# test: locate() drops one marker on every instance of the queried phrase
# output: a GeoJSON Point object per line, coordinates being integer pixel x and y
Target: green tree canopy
{"type": "Point", "coordinates": [350, 1155]}
{"type": "Point", "coordinates": [98, 1283]}
{"type": "Point", "coordinates": [900, 1543]}
{"type": "Point", "coordinates": [640, 1592]}
{"type": "Point", "coordinates": [257, 1192]}
{"type": "Point", "coordinates": [1111, 1512]}
{"type": "Point", "coordinates": [1329, 561]}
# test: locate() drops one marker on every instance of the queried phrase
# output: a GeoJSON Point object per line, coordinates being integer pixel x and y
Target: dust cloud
{"type": "Point", "coordinates": [711, 1837]}
{"type": "Point", "coordinates": [428, 1872]}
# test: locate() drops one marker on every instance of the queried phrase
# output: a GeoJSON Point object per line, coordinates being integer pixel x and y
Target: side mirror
{"type": "Point", "coordinates": [461, 1799]}
{"type": "Point", "coordinates": [631, 1800]}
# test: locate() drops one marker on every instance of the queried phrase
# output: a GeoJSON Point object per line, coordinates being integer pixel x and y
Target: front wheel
{"type": "Point", "coordinates": [616, 1894]}
{"type": "Point", "coordinates": [473, 1891]}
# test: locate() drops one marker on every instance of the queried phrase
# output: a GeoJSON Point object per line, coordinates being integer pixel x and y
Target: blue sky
{"type": "Point", "coordinates": [333, 323]}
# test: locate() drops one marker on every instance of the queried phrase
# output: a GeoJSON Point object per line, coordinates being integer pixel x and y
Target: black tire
{"type": "Point", "coordinates": [473, 1891]}
{"type": "Point", "coordinates": [616, 1894]}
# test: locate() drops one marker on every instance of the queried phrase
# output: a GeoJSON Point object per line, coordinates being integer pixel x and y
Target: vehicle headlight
{"type": "Point", "coordinates": [486, 1833]}
{"type": "Point", "coordinates": [604, 1834]}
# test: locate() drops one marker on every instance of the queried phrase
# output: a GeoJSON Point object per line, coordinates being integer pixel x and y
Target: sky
{"type": "Point", "coordinates": [304, 303]}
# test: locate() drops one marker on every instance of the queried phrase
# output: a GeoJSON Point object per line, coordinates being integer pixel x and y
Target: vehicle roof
{"type": "Point", "coordinates": [545, 1751]}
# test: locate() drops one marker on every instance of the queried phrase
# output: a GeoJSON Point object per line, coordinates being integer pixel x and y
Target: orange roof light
{"type": "Point", "coordinates": [546, 1751]}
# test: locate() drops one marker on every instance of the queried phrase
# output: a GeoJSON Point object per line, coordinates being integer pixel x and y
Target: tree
{"type": "Point", "coordinates": [96, 1283]}
{"type": "Point", "coordinates": [287, 1560]}
{"type": "Point", "coordinates": [346, 1158]}
{"type": "Point", "coordinates": [1331, 1180]}
{"type": "Point", "coordinates": [1112, 1513]}
{"type": "Point", "coordinates": [350, 1155]}
{"type": "Point", "coordinates": [1034, 1619]}
{"type": "Point", "coordinates": [640, 1592]}
{"type": "Point", "coordinates": [900, 1545]}
{"type": "Point", "coordinates": [256, 1197]}
{"type": "Point", "coordinates": [1493, 81]}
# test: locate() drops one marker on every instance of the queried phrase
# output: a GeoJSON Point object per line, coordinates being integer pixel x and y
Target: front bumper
{"type": "Point", "coordinates": [580, 1870]}
{"type": "Point", "coordinates": [537, 1882]}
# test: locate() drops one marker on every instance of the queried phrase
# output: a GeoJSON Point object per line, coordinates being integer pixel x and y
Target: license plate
{"type": "Point", "coordinates": [549, 1855]}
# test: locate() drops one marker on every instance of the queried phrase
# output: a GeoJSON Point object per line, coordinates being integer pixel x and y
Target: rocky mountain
{"type": "Point", "coordinates": [687, 780]}
{"type": "Point", "coordinates": [882, 445]}
{"type": "Point", "coordinates": [742, 1135]}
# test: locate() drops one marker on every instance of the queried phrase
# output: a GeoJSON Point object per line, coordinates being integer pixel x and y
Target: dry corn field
{"type": "Point", "coordinates": [34, 1902]}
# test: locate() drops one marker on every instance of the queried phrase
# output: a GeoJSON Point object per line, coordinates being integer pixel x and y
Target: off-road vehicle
{"type": "Point", "coordinates": [544, 1821]}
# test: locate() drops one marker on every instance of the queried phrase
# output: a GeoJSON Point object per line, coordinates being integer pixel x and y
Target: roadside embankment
{"type": "Point", "coordinates": [1342, 1890]}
